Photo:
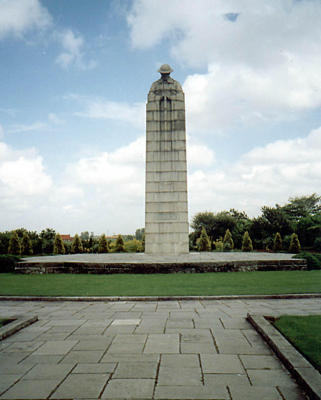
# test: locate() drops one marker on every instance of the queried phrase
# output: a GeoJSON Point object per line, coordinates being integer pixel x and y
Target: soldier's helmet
{"type": "Point", "coordinates": [165, 69]}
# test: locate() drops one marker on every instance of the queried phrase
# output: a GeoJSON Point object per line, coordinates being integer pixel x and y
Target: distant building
{"type": "Point", "coordinates": [111, 237]}
{"type": "Point", "coordinates": [67, 238]}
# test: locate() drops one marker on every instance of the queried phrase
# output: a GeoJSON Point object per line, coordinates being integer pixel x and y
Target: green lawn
{"type": "Point", "coordinates": [305, 334]}
{"type": "Point", "coordinates": [219, 283]}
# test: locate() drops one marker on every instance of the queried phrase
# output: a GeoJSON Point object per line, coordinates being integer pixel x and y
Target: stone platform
{"type": "Point", "coordinates": [112, 263]}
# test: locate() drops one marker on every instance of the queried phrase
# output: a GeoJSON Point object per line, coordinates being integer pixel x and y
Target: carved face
{"type": "Point", "coordinates": [165, 76]}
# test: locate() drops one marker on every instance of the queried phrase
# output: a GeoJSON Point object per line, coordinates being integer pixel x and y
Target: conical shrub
{"type": "Point", "coordinates": [247, 242]}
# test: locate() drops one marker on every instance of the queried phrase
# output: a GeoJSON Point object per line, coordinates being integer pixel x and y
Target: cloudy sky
{"type": "Point", "coordinates": [74, 76]}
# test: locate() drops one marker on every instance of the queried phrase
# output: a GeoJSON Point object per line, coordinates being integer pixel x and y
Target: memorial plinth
{"type": "Point", "coordinates": [166, 210]}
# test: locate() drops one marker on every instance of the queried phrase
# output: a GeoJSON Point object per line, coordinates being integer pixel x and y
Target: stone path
{"type": "Point", "coordinates": [145, 350]}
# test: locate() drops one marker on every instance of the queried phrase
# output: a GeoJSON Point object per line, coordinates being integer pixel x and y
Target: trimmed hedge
{"type": "Point", "coordinates": [313, 259]}
{"type": "Point", "coordinates": [8, 262]}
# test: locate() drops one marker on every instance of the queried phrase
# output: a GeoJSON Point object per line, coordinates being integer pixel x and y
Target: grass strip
{"type": "Point", "coordinates": [4, 322]}
{"type": "Point", "coordinates": [199, 284]}
{"type": "Point", "coordinates": [304, 332]}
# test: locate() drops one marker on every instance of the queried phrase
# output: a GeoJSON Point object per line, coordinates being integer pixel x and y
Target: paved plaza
{"type": "Point", "coordinates": [145, 350]}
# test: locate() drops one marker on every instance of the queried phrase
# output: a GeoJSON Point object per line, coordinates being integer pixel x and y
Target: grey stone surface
{"type": "Point", "coordinates": [141, 370]}
{"type": "Point", "coordinates": [191, 393]}
{"type": "Point", "coordinates": [55, 347]}
{"type": "Point", "coordinates": [81, 386]}
{"type": "Point", "coordinates": [129, 389]}
{"type": "Point", "coordinates": [166, 211]}
{"type": "Point", "coordinates": [221, 364]}
{"type": "Point", "coordinates": [159, 369]}
{"type": "Point", "coordinates": [140, 258]}
{"type": "Point", "coordinates": [31, 389]}
{"type": "Point", "coordinates": [247, 392]}
{"type": "Point", "coordinates": [48, 372]}
{"type": "Point", "coordinates": [162, 343]}
{"type": "Point", "coordinates": [260, 362]}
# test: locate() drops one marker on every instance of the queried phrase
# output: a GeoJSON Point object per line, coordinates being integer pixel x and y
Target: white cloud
{"type": "Point", "coordinates": [1, 132]}
{"type": "Point", "coordinates": [230, 95]}
{"type": "Point", "coordinates": [73, 54]}
{"type": "Point", "coordinates": [199, 155]}
{"type": "Point", "coordinates": [36, 126]}
{"type": "Point", "coordinates": [264, 176]}
{"type": "Point", "coordinates": [122, 168]}
{"type": "Point", "coordinates": [52, 117]}
{"type": "Point", "coordinates": [98, 108]}
{"type": "Point", "coordinates": [264, 65]}
{"type": "Point", "coordinates": [22, 173]}
{"type": "Point", "coordinates": [105, 192]}
{"type": "Point", "coordinates": [19, 16]}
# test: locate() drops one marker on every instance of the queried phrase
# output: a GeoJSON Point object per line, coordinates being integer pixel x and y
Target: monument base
{"type": "Point", "coordinates": [114, 263]}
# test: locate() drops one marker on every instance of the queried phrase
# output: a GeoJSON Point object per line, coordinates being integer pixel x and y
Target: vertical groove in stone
{"type": "Point", "coordinates": [166, 212]}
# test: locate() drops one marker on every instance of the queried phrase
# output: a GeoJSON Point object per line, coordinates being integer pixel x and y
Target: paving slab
{"type": "Point", "coordinates": [162, 343]}
{"type": "Point", "coordinates": [55, 347]}
{"type": "Point", "coordinates": [94, 368]}
{"type": "Point", "coordinates": [221, 364]}
{"type": "Point", "coordinates": [187, 376]}
{"type": "Point", "coordinates": [246, 392]}
{"type": "Point", "coordinates": [7, 380]}
{"type": "Point", "coordinates": [81, 386]}
{"type": "Point", "coordinates": [260, 362]}
{"type": "Point", "coordinates": [31, 389]}
{"type": "Point", "coordinates": [142, 370]}
{"type": "Point", "coordinates": [180, 361]}
{"type": "Point", "coordinates": [191, 393]}
{"type": "Point", "coordinates": [129, 389]}
{"type": "Point", "coordinates": [49, 371]}
{"type": "Point", "coordinates": [175, 350]}
{"type": "Point", "coordinates": [73, 357]}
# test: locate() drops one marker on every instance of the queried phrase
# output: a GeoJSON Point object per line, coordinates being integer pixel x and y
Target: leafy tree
{"type": "Point", "coordinates": [84, 236]}
{"type": "Point", "coordinates": [247, 242]}
{"type": "Point", "coordinates": [14, 244]}
{"type": "Point", "coordinates": [59, 247]}
{"type": "Point", "coordinates": [139, 233]}
{"type": "Point", "coordinates": [309, 229]}
{"type": "Point", "coordinates": [76, 246]}
{"type": "Point", "coordinates": [304, 206]}
{"type": "Point", "coordinates": [228, 243]}
{"type": "Point", "coordinates": [4, 242]}
{"type": "Point", "coordinates": [317, 244]}
{"type": "Point", "coordinates": [214, 224]}
{"type": "Point", "coordinates": [119, 245]}
{"type": "Point", "coordinates": [26, 245]}
{"type": "Point", "coordinates": [295, 246]}
{"type": "Point", "coordinates": [102, 244]}
{"type": "Point", "coordinates": [277, 242]}
{"type": "Point", "coordinates": [259, 231]}
{"type": "Point", "coordinates": [47, 237]}
{"type": "Point", "coordinates": [238, 215]}
{"type": "Point", "coordinates": [240, 227]}
{"type": "Point", "coordinates": [204, 220]}
{"type": "Point", "coordinates": [277, 220]}
{"type": "Point", "coordinates": [204, 243]}
{"type": "Point", "coordinates": [143, 242]}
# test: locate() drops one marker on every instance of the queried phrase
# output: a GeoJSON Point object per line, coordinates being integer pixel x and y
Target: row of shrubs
{"type": "Point", "coordinates": [227, 244]}
{"type": "Point", "coordinates": [23, 246]}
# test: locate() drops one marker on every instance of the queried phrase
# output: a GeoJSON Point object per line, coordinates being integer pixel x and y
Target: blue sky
{"type": "Point", "coordinates": [74, 76]}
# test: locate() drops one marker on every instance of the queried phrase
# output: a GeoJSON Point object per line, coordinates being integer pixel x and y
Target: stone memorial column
{"type": "Point", "coordinates": [166, 213]}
